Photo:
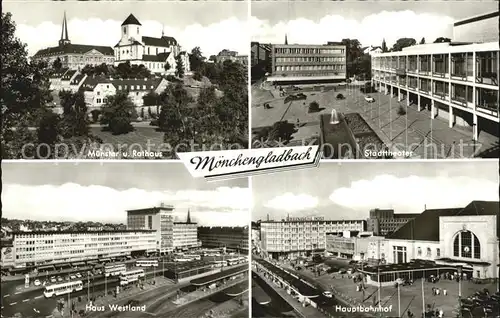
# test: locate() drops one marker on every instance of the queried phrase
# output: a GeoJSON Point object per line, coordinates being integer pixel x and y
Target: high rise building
{"type": "Point", "coordinates": [232, 238]}
{"type": "Point", "coordinates": [185, 234]}
{"type": "Point", "coordinates": [385, 221]}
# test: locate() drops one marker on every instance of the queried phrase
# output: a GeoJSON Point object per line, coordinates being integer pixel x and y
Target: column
{"type": "Point", "coordinates": [475, 127]}
{"type": "Point", "coordinates": [385, 89]}
{"type": "Point", "coordinates": [407, 98]}
{"type": "Point", "coordinates": [418, 102]}
{"type": "Point", "coordinates": [433, 109]}
{"type": "Point", "coordinates": [399, 94]}
{"type": "Point", "coordinates": [451, 117]}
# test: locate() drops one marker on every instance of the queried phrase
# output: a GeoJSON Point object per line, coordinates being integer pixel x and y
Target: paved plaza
{"type": "Point", "coordinates": [414, 131]}
{"type": "Point", "coordinates": [410, 296]}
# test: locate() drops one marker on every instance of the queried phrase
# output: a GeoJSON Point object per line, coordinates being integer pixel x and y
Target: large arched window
{"type": "Point", "coordinates": [466, 244]}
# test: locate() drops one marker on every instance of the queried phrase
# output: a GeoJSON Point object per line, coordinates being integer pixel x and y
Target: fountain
{"type": "Point", "coordinates": [334, 117]}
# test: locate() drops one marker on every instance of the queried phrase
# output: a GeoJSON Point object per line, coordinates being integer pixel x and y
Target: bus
{"type": "Point", "coordinates": [64, 288]}
{"type": "Point", "coordinates": [194, 256]}
{"type": "Point", "coordinates": [131, 276]}
{"type": "Point", "coordinates": [235, 261]}
{"type": "Point", "coordinates": [114, 270]}
{"type": "Point", "coordinates": [219, 263]}
{"type": "Point", "coordinates": [146, 263]}
{"type": "Point", "coordinates": [183, 259]}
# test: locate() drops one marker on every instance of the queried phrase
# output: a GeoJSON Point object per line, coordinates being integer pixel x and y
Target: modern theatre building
{"type": "Point", "coordinates": [457, 80]}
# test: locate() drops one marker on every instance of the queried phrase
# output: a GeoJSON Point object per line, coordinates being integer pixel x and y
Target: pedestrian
{"type": "Point", "coordinates": [433, 291]}
{"type": "Point", "coordinates": [445, 292]}
{"type": "Point", "coordinates": [441, 313]}
{"type": "Point", "coordinates": [437, 291]}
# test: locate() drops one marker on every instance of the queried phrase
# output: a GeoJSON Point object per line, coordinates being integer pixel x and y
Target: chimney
{"type": "Point", "coordinates": [425, 207]}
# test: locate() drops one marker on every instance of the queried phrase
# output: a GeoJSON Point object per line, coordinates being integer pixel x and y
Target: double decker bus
{"type": "Point", "coordinates": [114, 270]}
{"type": "Point", "coordinates": [131, 276]}
{"type": "Point", "coordinates": [235, 261]}
{"type": "Point", "coordinates": [146, 263]}
{"type": "Point", "coordinates": [63, 288]}
{"type": "Point", "coordinates": [183, 259]}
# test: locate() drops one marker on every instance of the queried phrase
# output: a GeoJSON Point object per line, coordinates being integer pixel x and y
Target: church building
{"type": "Point", "coordinates": [159, 55]}
{"type": "Point", "coordinates": [75, 56]}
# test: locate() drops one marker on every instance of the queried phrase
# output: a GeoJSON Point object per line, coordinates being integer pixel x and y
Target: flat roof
{"type": "Point", "coordinates": [308, 221]}
{"type": "Point", "coordinates": [277, 78]}
{"type": "Point", "coordinates": [476, 18]}
{"type": "Point", "coordinates": [442, 48]}
{"type": "Point", "coordinates": [82, 232]}
{"type": "Point", "coordinates": [260, 296]}
{"type": "Point", "coordinates": [304, 288]}
{"type": "Point", "coordinates": [237, 289]}
{"type": "Point", "coordinates": [315, 46]}
{"type": "Point", "coordinates": [155, 209]}
{"type": "Point", "coordinates": [404, 267]}
{"type": "Point", "coordinates": [218, 276]}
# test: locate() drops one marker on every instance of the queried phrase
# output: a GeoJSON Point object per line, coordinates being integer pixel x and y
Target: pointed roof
{"type": "Point", "coordinates": [131, 20]}
{"type": "Point", "coordinates": [286, 39]}
{"type": "Point", "coordinates": [188, 220]}
{"type": "Point", "coordinates": [64, 28]}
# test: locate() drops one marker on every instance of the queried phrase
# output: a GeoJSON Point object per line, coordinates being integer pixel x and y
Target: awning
{"type": "Point", "coordinates": [468, 262]}
{"type": "Point", "coordinates": [105, 260]}
{"type": "Point", "coordinates": [41, 268]}
{"type": "Point", "coordinates": [79, 264]}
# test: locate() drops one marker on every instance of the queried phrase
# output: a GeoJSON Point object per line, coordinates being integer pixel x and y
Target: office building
{"type": "Point", "coordinates": [37, 248]}
{"type": "Point", "coordinates": [307, 64]}
{"type": "Point", "coordinates": [74, 56]}
{"type": "Point", "coordinates": [293, 237]}
{"type": "Point", "coordinates": [260, 54]}
{"type": "Point", "coordinates": [458, 81]}
{"type": "Point", "coordinates": [385, 221]}
{"type": "Point", "coordinates": [159, 55]}
{"type": "Point", "coordinates": [227, 55]}
{"type": "Point", "coordinates": [159, 219]}
{"type": "Point", "coordinates": [232, 238]}
{"type": "Point", "coordinates": [186, 234]}
{"type": "Point", "coordinates": [467, 237]}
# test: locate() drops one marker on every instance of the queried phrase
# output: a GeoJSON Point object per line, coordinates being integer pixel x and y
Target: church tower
{"type": "Point", "coordinates": [286, 39]}
{"type": "Point", "coordinates": [131, 30]}
{"type": "Point", "coordinates": [64, 32]}
{"type": "Point", "coordinates": [188, 220]}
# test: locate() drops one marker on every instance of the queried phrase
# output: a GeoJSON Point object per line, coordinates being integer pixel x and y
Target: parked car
{"type": "Point", "coordinates": [369, 99]}
{"type": "Point", "coordinates": [340, 96]}
{"type": "Point", "coordinates": [53, 279]}
{"type": "Point", "coordinates": [78, 275]}
{"type": "Point", "coordinates": [300, 96]}
{"type": "Point", "coordinates": [72, 276]}
{"type": "Point", "coordinates": [59, 279]}
{"type": "Point", "coordinates": [327, 294]}
{"type": "Point", "coordinates": [37, 283]}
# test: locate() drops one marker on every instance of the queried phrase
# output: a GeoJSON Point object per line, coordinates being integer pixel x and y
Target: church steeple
{"type": "Point", "coordinates": [188, 220]}
{"type": "Point", "coordinates": [64, 32]}
{"type": "Point", "coordinates": [286, 39]}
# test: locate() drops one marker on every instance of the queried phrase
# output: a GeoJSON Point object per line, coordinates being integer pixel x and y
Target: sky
{"type": "Point", "coordinates": [213, 26]}
{"type": "Point", "coordinates": [349, 190]}
{"type": "Point", "coordinates": [102, 192]}
{"type": "Point", "coordinates": [308, 22]}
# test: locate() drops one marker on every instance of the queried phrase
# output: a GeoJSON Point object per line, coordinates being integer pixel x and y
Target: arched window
{"type": "Point", "coordinates": [466, 244]}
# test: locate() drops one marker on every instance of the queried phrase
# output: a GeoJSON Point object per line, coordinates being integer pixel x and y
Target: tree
{"type": "Point", "coordinates": [313, 107]}
{"type": "Point", "coordinates": [384, 46]}
{"type": "Point", "coordinates": [422, 41]}
{"type": "Point", "coordinates": [75, 122]}
{"type": "Point", "coordinates": [57, 64]}
{"type": "Point", "coordinates": [126, 70]}
{"type": "Point", "coordinates": [196, 59]}
{"type": "Point", "coordinates": [47, 134]}
{"type": "Point", "coordinates": [179, 66]}
{"type": "Point", "coordinates": [24, 93]}
{"type": "Point", "coordinates": [442, 40]}
{"type": "Point", "coordinates": [118, 113]}
{"type": "Point", "coordinates": [167, 66]}
{"type": "Point", "coordinates": [151, 99]}
{"type": "Point", "coordinates": [402, 43]}
{"type": "Point", "coordinates": [207, 97]}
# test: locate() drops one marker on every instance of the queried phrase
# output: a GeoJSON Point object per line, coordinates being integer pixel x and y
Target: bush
{"type": "Point", "coordinates": [401, 111]}
{"type": "Point", "coordinates": [172, 78]}
{"type": "Point", "coordinates": [313, 107]}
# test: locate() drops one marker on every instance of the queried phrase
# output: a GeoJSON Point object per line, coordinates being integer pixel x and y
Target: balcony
{"type": "Point", "coordinates": [488, 78]}
{"type": "Point", "coordinates": [459, 100]}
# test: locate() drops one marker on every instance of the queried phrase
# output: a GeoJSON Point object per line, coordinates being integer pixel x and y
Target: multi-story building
{"type": "Point", "coordinates": [34, 248]}
{"type": "Point", "coordinates": [97, 89]}
{"type": "Point", "coordinates": [260, 53]}
{"type": "Point", "coordinates": [293, 237]}
{"type": "Point", "coordinates": [466, 237]}
{"type": "Point", "coordinates": [355, 247]}
{"type": "Point", "coordinates": [227, 55]}
{"type": "Point", "coordinates": [159, 55]}
{"type": "Point", "coordinates": [159, 219]}
{"type": "Point", "coordinates": [385, 221]}
{"type": "Point", "coordinates": [186, 234]}
{"type": "Point", "coordinates": [232, 238]}
{"type": "Point", "coordinates": [75, 56]}
{"type": "Point", "coordinates": [307, 64]}
{"type": "Point", "coordinates": [458, 81]}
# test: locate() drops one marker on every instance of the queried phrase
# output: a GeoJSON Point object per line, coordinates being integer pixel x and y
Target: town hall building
{"type": "Point", "coordinates": [159, 55]}
{"type": "Point", "coordinates": [75, 56]}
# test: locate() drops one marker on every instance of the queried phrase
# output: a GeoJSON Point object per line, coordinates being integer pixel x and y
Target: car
{"type": "Point", "coordinates": [53, 279]}
{"type": "Point", "coordinates": [67, 278]}
{"type": "Point", "coordinates": [300, 96]}
{"type": "Point", "coordinates": [327, 294]}
{"type": "Point", "coordinates": [59, 279]}
{"type": "Point", "coordinates": [369, 99]}
{"type": "Point", "coordinates": [78, 275]}
{"type": "Point", "coordinates": [37, 283]}
{"type": "Point", "coordinates": [72, 276]}
{"type": "Point", "coordinates": [340, 96]}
